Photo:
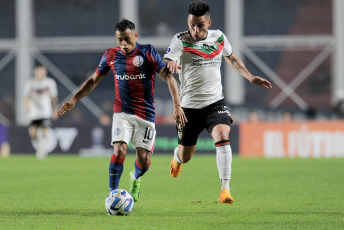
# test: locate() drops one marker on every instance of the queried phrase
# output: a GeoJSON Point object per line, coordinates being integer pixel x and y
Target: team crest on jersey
{"type": "Point", "coordinates": [138, 61]}
{"type": "Point", "coordinates": [116, 131]}
{"type": "Point", "coordinates": [206, 47]}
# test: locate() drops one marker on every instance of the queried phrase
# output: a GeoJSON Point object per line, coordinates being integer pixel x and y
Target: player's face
{"type": "Point", "coordinates": [126, 40]}
{"type": "Point", "coordinates": [40, 73]}
{"type": "Point", "coordinates": [198, 26]}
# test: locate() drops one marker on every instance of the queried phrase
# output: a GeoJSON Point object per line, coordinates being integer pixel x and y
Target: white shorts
{"type": "Point", "coordinates": [127, 127]}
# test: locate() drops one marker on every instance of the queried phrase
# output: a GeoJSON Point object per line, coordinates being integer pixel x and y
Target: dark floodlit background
{"type": "Point", "coordinates": [295, 44]}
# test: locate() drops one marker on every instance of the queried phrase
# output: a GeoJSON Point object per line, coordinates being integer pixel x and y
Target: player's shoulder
{"type": "Point", "coordinates": [49, 80]}
{"type": "Point", "coordinates": [182, 36]}
{"type": "Point", "coordinates": [112, 50]}
{"type": "Point", "coordinates": [146, 46]}
{"type": "Point", "coordinates": [215, 33]}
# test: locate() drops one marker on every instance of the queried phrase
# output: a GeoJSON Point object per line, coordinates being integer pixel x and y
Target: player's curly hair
{"type": "Point", "coordinates": [199, 8]}
{"type": "Point", "coordinates": [124, 24]}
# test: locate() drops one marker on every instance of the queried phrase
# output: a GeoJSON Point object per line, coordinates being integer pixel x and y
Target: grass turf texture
{"type": "Point", "coordinates": [68, 192]}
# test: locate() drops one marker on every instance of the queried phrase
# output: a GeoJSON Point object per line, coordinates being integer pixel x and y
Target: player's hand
{"type": "Point", "coordinates": [260, 81]}
{"type": "Point", "coordinates": [54, 116]}
{"type": "Point", "coordinates": [179, 116]}
{"type": "Point", "coordinates": [66, 107]}
{"type": "Point", "coordinates": [173, 66]}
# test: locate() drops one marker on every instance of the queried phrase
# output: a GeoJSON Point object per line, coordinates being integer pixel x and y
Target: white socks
{"type": "Point", "coordinates": [176, 157]}
{"type": "Point", "coordinates": [224, 164]}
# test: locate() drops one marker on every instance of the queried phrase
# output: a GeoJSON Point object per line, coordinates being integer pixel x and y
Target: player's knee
{"type": "Point", "coordinates": [144, 161]}
{"type": "Point", "coordinates": [185, 157]}
{"type": "Point", "coordinates": [221, 135]}
{"type": "Point", "coordinates": [121, 150]}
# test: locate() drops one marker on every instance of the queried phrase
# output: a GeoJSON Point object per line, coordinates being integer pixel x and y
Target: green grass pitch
{"type": "Point", "coordinates": [68, 192]}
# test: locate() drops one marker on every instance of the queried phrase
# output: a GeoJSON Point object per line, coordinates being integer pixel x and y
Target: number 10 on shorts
{"type": "Point", "coordinates": [149, 134]}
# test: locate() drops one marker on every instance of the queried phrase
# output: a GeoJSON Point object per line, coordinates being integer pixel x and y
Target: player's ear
{"type": "Point", "coordinates": [209, 22]}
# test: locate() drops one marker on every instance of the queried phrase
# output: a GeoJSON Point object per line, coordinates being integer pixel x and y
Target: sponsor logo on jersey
{"type": "Point", "coordinates": [168, 50]}
{"type": "Point", "coordinates": [131, 77]}
{"type": "Point", "coordinates": [138, 61]}
{"type": "Point", "coordinates": [224, 111]}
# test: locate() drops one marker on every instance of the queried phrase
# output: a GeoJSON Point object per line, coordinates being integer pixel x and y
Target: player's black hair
{"type": "Point", "coordinates": [199, 8]}
{"type": "Point", "coordinates": [124, 25]}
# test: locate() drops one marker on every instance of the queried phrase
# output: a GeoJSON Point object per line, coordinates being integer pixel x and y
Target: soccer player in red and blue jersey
{"type": "Point", "coordinates": [134, 66]}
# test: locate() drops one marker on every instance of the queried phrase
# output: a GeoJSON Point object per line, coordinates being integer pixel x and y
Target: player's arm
{"type": "Point", "coordinates": [236, 63]}
{"type": "Point", "coordinates": [173, 53]}
{"type": "Point", "coordinates": [84, 90]}
{"type": "Point", "coordinates": [27, 96]}
{"type": "Point", "coordinates": [172, 66]}
{"type": "Point", "coordinates": [27, 103]}
{"type": "Point", "coordinates": [54, 104]}
{"type": "Point", "coordinates": [178, 112]}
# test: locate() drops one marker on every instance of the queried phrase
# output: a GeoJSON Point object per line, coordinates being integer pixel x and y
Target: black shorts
{"type": "Point", "coordinates": [41, 123]}
{"type": "Point", "coordinates": [199, 119]}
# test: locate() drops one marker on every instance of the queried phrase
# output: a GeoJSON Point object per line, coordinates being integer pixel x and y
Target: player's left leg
{"type": "Point", "coordinates": [141, 165]}
{"type": "Point", "coordinates": [33, 128]}
{"type": "Point", "coordinates": [143, 140]}
{"type": "Point", "coordinates": [220, 135]}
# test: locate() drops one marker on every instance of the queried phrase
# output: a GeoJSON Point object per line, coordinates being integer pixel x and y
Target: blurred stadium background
{"type": "Point", "coordinates": [296, 44]}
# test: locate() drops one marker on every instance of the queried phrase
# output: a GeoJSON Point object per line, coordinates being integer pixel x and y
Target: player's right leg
{"type": "Point", "coordinates": [116, 164]}
{"type": "Point", "coordinates": [187, 139]}
{"type": "Point", "coordinates": [43, 142]}
{"type": "Point", "coordinates": [182, 154]}
{"type": "Point", "coordinates": [121, 135]}
{"type": "Point", "coordinates": [33, 135]}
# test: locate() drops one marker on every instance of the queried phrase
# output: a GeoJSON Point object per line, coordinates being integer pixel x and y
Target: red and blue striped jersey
{"type": "Point", "coordinates": [134, 79]}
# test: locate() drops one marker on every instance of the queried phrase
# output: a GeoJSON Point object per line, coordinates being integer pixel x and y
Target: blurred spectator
{"type": "Point", "coordinates": [254, 117]}
{"type": "Point", "coordinates": [104, 119]}
{"type": "Point", "coordinates": [7, 108]}
{"type": "Point", "coordinates": [41, 105]}
{"type": "Point", "coordinates": [287, 117]}
{"type": "Point", "coordinates": [4, 145]}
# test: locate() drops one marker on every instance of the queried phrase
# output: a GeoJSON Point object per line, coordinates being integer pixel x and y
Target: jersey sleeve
{"type": "Point", "coordinates": [175, 50]}
{"type": "Point", "coordinates": [227, 48]}
{"type": "Point", "coordinates": [158, 59]}
{"type": "Point", "coordinates": [103, 67]}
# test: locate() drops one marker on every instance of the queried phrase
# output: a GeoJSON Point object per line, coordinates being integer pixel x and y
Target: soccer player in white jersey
{"type": "Point", "coordinates": [41, 104]}
{"type": "Point", "coordinates": [196, 55]}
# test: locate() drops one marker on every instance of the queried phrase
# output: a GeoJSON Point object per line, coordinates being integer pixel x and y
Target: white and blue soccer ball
{"type": "Point", "coordinates": [119, 202]}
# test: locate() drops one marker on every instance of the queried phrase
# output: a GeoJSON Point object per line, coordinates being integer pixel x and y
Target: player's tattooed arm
{"type": "Point", "coordinates": [236, 63]}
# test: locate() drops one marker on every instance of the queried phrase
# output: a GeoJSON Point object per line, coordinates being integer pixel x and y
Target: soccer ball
{"type": "Point", "coordinates": [119, 202]}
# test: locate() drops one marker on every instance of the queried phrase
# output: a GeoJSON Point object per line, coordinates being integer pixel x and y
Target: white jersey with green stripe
{"type": "Point", "coordinates": [200, 76]}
